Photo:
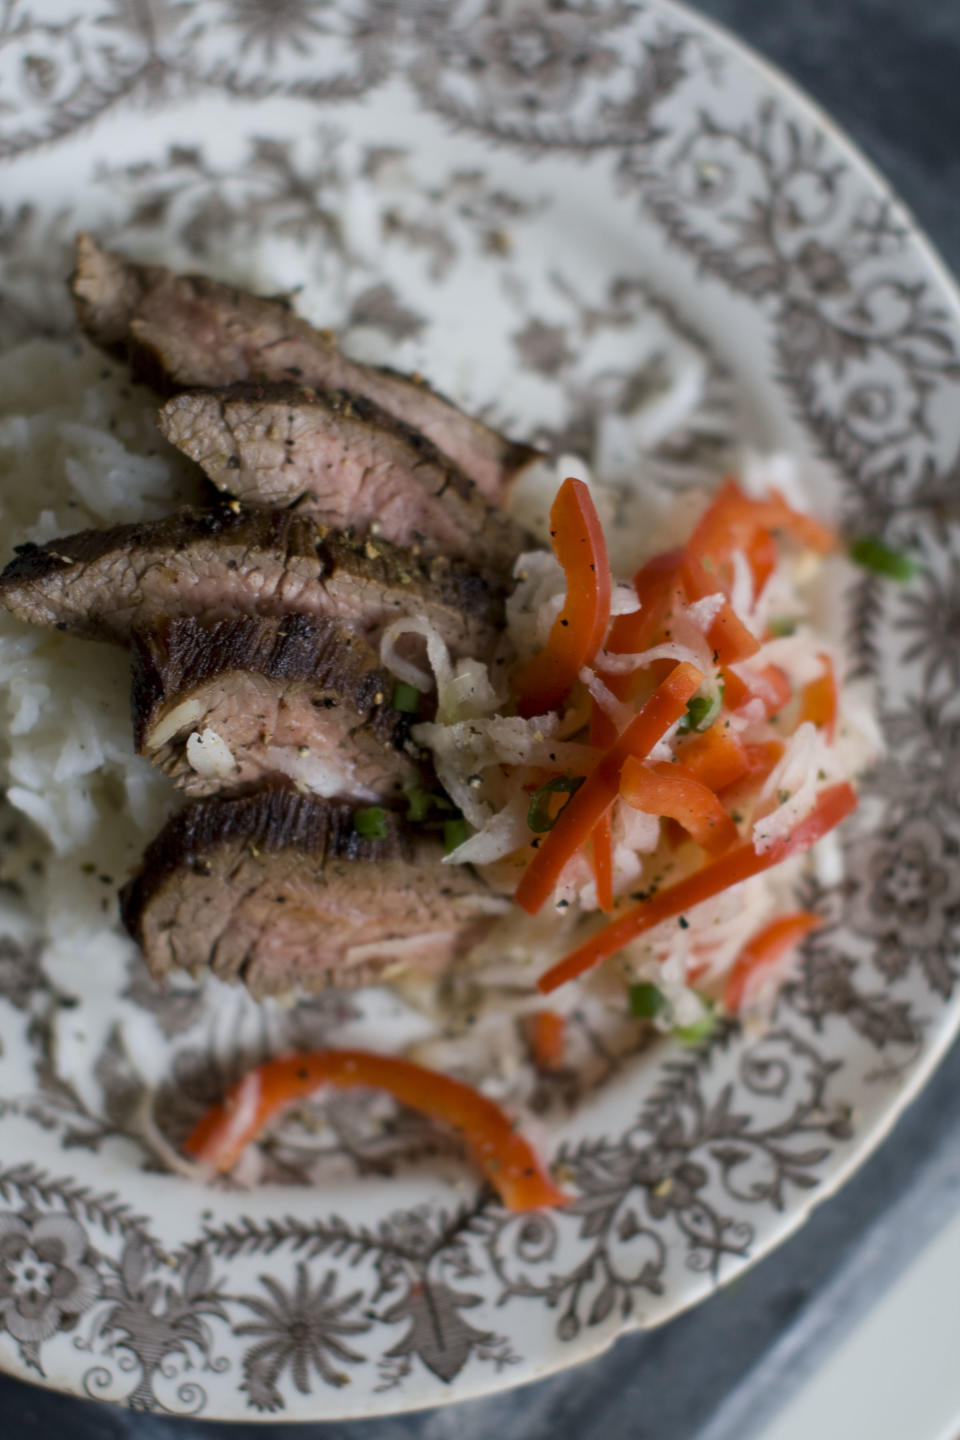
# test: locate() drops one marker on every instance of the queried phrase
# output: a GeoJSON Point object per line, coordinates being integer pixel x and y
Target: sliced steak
{"type": "Point", "coordinates": [279, 890]}
{"type": "Point", "coordinates": [268, 696]}
{"type": "Point", "coordinates": [187, 331]}
{"type": "Point", "coordinates": [230, 561]}
{"type": "Point", "coordinates": [347, 462]}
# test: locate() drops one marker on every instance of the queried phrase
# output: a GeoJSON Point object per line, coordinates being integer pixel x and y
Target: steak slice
{"type": "Point", "coordinates": [279, 890]}
{"type": "Point", "coordinates": [188, 331]}
{"type": "Point", "coordinates": [346, 461]}
{"type": "Point", "coordinates": [230, 561]}
{"type": "Point", "coordinates": [289, 696]}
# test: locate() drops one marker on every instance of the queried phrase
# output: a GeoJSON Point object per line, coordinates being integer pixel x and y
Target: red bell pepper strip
{"type": "Point", "coordinates": [772, 686]}
{"type": "Point", "coordinates": [778, 515]}
{"type": "Point", "coordinates": [578, 631]}
{"type": "Point", "coordinates": [819, 700]}
{"type": "Point", "coordinates": [761, 759]}
{"type": "Point", "coordinates": [764, 950]}
{"type": "Point", "coordinates": [507, 1160]}
{"type": "Point", "coordinates": [601, 848]}
{"type": "Point", "coordinates": [833, 805]}
{"type": "Point", "coordinates": [660, 790]}
{"type": "Point", "coordinates": [717, 758]}
{"type": "Point", "coordinates": [547, 1037]}
{"type": "Point", "coordinates": [763, 756]}
{"type": "Point", "coordinates": [583, 812]}
{"type": "Point", "coordinates": [602, 735]}
{"type": "Point", "coordinates": [729, 637]}
{"type": "Point", "coordinates": [657, 587]}
{"type": "Point", "coordinates": [762, 559]}
{"type": "Point", "coordinates": [734, 522]}
{"type": "Point", "coordinates": [702, 575]}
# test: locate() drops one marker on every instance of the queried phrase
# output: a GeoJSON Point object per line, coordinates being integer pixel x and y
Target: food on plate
{"type": "Point", "coordinates": [189, 331]}
{"type": "Point", "coordinates": [221, 705]}
{"type": "Point", "coordinates": [227, 561]}
{"type": "Point", "coordinates": [279, 890]}
{"type": "Point", "coordinates": [343, 461]}
{"type": "Point", "coordinates": [422, 748]}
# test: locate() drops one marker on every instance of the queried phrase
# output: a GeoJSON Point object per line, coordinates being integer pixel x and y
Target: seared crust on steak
{"type": "Point", "coordinates": [224, 562]}
{"type": "Point", "coordinates": [185, 331]}
{"type": "Point", "coordinates": [280, 890]}
{"type": "Point", "coordinates": [347, 462]}
{"type": "Point", "coordinates": [290, 695]}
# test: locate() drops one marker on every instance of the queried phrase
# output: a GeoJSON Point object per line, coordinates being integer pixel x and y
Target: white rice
{"type": "Point", "coordinates": [78, 448]}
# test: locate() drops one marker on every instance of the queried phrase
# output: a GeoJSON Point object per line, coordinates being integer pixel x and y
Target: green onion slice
{"type": "Point", "coordinates": [538, 816]}
{"type": "Point", "coordinates": [881, 559]}
{"type": "Point", "coordinates": [702, 710]}
{"type": "Point", "coordinates": [406, 698]}
{"type": "Point", "coordinates": [700, 1030]}
{"type": "Point", "coordinates": [646, 1000]}
{"type": "Point", "coordinates": [455, 832]}
{"type": "Point", "coordinates": [419, 803]}
{"type": "Point", "coordinates": [371, 822]}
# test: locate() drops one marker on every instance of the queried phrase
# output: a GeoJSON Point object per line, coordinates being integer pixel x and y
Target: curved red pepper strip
{"type": "Point", "coordinates": [507, 1160]}
{"type": "Point", "coordinates": [820, 700]}
{"type": "Point", "coordinates": [577, 634]}
{"type": "Point", "coordinates": [764, 950]}
{"type": "Point", "coordinates": [734, 521]}
{"type": "Point", "coordinates": [833, 805]}
{"type": "Point", "coordinates": [663, 790]}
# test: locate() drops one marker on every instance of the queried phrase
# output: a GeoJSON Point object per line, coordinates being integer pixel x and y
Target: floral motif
{"type": "Point", "coordinates": [909, 899]}
{"type": "Point", "coordinates": [930, 618]}
{"type": "Point", "coordinates": [537, 57]}
{"type": "Point", "coordinates": [301, 1330]}
{"type": "Point", "coordinates": [269, 28]}
{"type": "Point", "coordinates": [175, 1010]}
{"type": "Point", "coordinates": [763, 206]}
{"type": "Point", "coordinates": [912, 884]}
{"type": "Point", "coordinates": [543, 347]}
{"type": "Point", "coordinates": [48, 1278]}
{"type": "Point", "coordinates": [437, 1332]}
{"type": "Point", "coordinates": [21, 973]}
{"type": "Point", "coordinates": [154, 1319]}
{"type": "Point", "coordinates": [829, 985]}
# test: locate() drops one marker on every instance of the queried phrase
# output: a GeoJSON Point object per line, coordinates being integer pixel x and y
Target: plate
{"type": "Point", "coordinates": [545, 208]}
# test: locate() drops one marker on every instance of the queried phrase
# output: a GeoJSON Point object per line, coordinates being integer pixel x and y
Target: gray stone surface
{"type": "Point", "coordinates": [887, 73]}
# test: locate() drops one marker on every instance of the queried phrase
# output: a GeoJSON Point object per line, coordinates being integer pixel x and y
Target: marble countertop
{"type": "Point", "coordinates": [887, 73]}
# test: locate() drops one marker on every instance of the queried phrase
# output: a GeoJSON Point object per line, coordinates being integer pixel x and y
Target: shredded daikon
{"type": "Point", "coordinates": [490, 763]}
{"type": "Point", "coordinates": [615, 709]}
{"type": "Point", "coordinates": [496, 838]}
{"type": "Point", "coordinates": [614, 664]}
{"type": "Point", "coordinates": [794, 781]}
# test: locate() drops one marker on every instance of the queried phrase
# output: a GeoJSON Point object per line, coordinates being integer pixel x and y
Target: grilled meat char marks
{"type": "Point", "coordinates": [222, 563]}
{"type": "Point", "coordinates": [296, 696]}
{"type": "Point", "coordinates": [187, 331]}
{"type": "Point", "coordinates": [275, 889]}
{"type": "Point", "coordinates": [348, 464]}
{"type": "Point", "coordinates": [256, 621]}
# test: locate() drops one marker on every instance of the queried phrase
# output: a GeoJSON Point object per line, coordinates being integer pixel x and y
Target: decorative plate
{"type": "Point", "coordinates": [544, 207]}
